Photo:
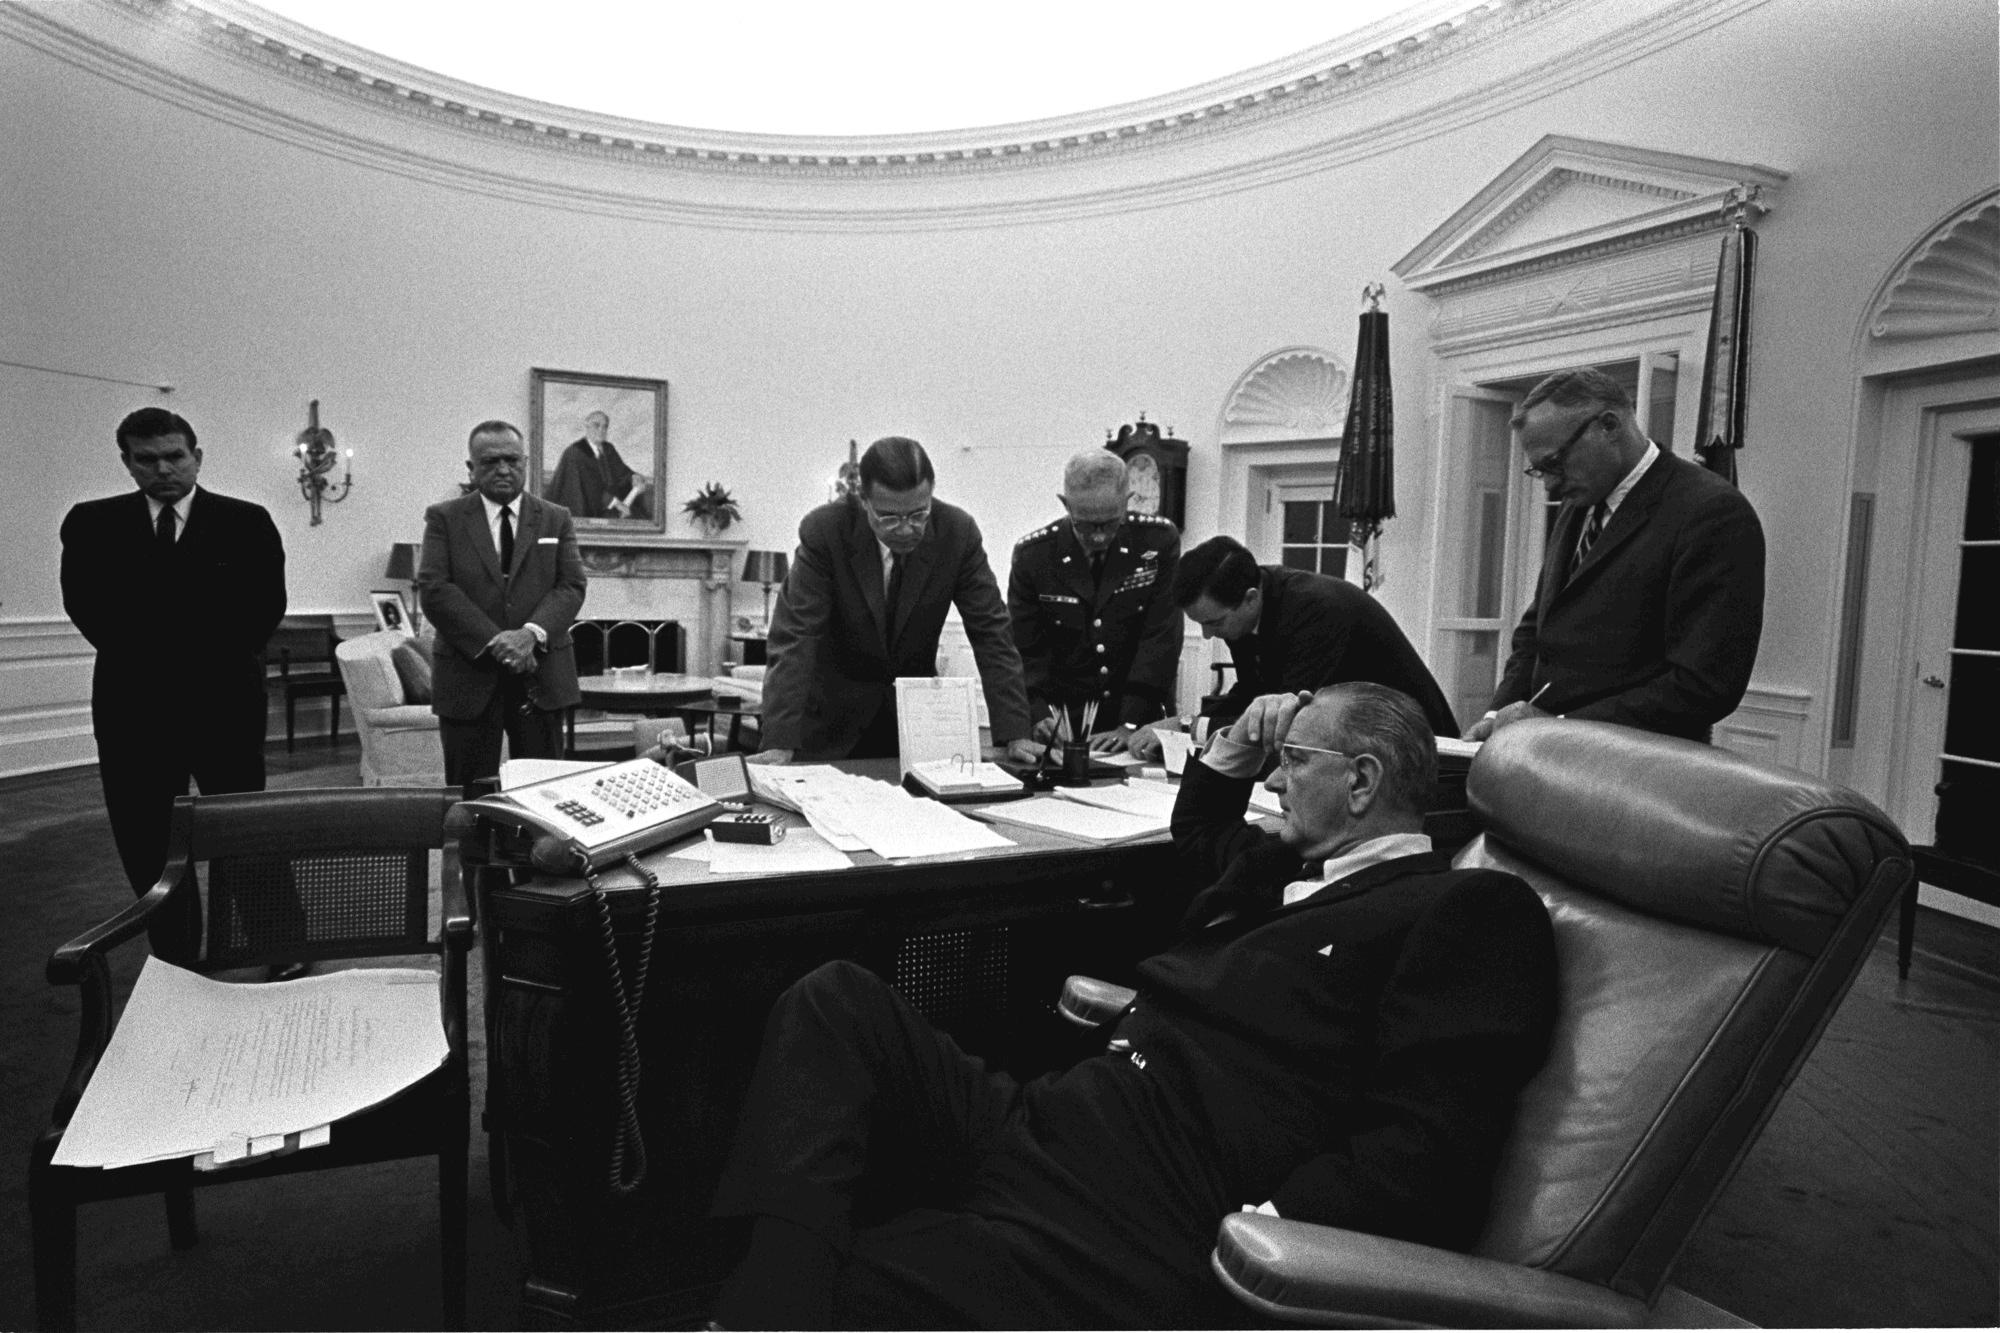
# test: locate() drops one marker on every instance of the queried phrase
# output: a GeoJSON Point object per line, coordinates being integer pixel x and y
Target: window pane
{"type": "Point", "coordinates": [1967, 798]}
{"type": "Point", "coordinates": [1473, 670]}
{"type": "Point", "coordinates": [1333, 560]}
{"type": "Point", "coordinates": [1982, 502]}
{"type": "Point", "coordinates": [1660, 410]}
{"type": "Point", "coordinates": [1333, 529]}
{"type": "Point", "coordinates": [1972, 720]}
{"type": "Point", "coordinates": [1301, 521]}
{"type": "Point", "coordinates": [1481, 507]}
{"type": "Point", "coordinates": [1978, 577]}
{"type": "Point", "coordinates": [1300, 557]}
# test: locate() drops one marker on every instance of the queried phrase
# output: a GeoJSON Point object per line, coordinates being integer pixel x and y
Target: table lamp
{"type": "Point", "coordinates": [767, 568]}
{"type": "Point", "coordinates": [403, 566]}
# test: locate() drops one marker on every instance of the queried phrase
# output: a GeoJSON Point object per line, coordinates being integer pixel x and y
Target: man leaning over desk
{"type": "Point", "coordinates": [1651, 597]}
{"type": "Point", "coordinates": [865, 602]}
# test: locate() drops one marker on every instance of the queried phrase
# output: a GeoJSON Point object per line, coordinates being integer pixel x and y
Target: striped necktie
{"type": "Point", "coordinates": [1591, 527]}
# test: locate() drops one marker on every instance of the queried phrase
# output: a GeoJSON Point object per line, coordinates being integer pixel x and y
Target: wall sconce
{"type": "Point", "coordinates": [767, 568]}
{"type": "Point", "coordinates": [317, 456]}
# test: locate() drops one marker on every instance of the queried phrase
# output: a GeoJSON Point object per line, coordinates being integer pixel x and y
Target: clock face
{"type": "Point", "coordinates": [1143, 476]}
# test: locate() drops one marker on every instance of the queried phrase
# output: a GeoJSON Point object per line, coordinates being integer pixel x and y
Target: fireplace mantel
{"type": "Point", "coordinates": [672, 578]}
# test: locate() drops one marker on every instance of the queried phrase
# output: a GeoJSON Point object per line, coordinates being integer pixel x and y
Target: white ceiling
{"type": "Point", "coordinates": [863, 67]}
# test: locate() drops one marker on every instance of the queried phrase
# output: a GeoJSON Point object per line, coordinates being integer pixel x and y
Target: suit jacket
{"type": "Point", "coordinates": [196, 628]}
{"type": "Point", "coordinates": [1358, 1052]}
{"type": "Point", "coordinates": [1316, 630]}
{"type": "Point", "coordinates": [469, 601]}
{"type": "Point", "coordinates": [1117, 640]}
{"type": "Point", "coordinates": [1658, 626]}
{"type": "Point", "coordinates": [833, 656]}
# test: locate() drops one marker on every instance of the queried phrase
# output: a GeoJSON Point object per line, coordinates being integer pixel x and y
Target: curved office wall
{"type": "Point", "coordinates": [186, 204]}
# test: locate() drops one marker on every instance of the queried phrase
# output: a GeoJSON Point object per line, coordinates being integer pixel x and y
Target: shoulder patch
{"type": "Point", "coordinates": [1041, 534]}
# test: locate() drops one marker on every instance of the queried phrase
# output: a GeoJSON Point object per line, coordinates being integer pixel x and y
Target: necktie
{"type": "Point", "coordinates": [163, 529]}
{"type": "Point", "coordinates": [506, 539]}
{"type": "Point", "coordinates": [1097, 568]}
{"type": "Point", "coordinates": [895, 587]}
{"type": "Point", "coordinates": [1591, 527]}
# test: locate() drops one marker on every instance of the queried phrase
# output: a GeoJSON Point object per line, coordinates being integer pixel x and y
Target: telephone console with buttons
{"type": "Point", "coordinates": [583, 821]}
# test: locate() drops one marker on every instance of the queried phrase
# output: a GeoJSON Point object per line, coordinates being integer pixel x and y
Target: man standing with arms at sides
{"type": "Point", "coordinates": [1292, 631]}
{"type": "Point", "coordinates": [592, 481]}
{"type": "Point", "coordinates": [502, 581]}
{"type": "Point", "coordinates": [1091, 601]}
{"type": "Point", "coordinates": [1651, 597]}
{"type": "Point", "coordinates": [178, 589]}
{"type": "Point", "coordinates": [865, 603]}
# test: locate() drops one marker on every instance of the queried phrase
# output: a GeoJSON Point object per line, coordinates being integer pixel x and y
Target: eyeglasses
{"type": "Point", "coordinates": [1552, 464]}
{"type": "Point", "coordinates": [1288, 760]}
{"type": "Point", "coordinates": [1087, 525]}
{"type": "Point", "coordinates": [911, 522]}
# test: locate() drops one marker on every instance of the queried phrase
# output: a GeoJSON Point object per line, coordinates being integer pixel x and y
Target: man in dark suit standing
{"type": "Point", "coordinates": [178, 589]}
{"type": "Point", "coordinates": [1338, 1037]}
{"type": "Point", "coordinates": [865, 603]}
{"type": "Point", "coordinates": [1651, 598]}
{"type": "Point", "coordinates": [1290, 630]}
{"type": "Point", "coordinates": [501, 579]}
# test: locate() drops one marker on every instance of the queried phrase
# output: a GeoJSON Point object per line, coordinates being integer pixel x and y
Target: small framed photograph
{"type": "Point", "coordinates": [390, 611]}
{"type": "Point", "coordinates": [597, 446]}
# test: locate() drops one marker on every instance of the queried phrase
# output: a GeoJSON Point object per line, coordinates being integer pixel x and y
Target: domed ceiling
{"type": "Point", "coordinates": [866, 68]}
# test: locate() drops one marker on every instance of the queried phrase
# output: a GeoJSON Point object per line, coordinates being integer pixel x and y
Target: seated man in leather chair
{"type": "Point", "coordinates": [1339, 1036]}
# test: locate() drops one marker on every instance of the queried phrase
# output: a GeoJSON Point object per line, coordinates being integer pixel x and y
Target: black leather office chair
{"type": "Point", "coordinates": [1709, 912]}
{"type": "Point", "coordinates": [293, 876]}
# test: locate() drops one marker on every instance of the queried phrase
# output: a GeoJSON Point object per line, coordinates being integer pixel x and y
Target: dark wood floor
{"type": "Point", "coordinates": [1872, 1199]}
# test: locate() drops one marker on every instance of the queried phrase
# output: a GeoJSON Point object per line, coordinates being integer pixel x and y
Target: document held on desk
{"type": "Point", "coordinates": [937, 717]}
{"type": "Point", "coordinates": [196, 1065]}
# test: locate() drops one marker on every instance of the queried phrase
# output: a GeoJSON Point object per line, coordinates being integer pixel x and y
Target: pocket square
{"type": "Point", "coordinates": [547, 541]}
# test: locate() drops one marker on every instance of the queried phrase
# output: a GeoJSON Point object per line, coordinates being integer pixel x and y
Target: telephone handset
{"type": "Point", "coordinates": [583, 821]}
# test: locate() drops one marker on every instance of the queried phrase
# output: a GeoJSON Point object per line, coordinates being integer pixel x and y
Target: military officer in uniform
{"type": "Point", "coordinates": [1091, 599]}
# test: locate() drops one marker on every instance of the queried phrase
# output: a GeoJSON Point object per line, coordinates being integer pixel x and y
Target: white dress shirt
{"type": "Point", "coordinates": [180, 508]}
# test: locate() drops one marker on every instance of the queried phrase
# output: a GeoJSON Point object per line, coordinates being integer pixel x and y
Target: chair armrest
{"type": "Point", "coordinates": [66, 964]}
{"type": "Point", "coordinates": [407, 717]}
{"type": "Point", "coordinates": [1298, 1273]}
{"type": "Point", "coordinates": [1090, 1003]}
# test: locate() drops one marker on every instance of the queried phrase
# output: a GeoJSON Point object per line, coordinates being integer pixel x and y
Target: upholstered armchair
{"type": "Point", "coordinates": [1710, 913]}
{"type": "Point", "coordinates": [388, 688]}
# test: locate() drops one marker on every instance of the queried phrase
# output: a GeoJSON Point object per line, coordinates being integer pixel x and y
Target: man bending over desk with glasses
{"type": "Point", "coordinates": [865, 603]}
{"type": "Point", "coordinates": [1338, 1036]}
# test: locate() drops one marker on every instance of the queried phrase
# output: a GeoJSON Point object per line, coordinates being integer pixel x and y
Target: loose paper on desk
{"type": "Point", "coordinates": [526, 772]}
{"type": "Point", "coordinates": [937, 717]}
{"type": "Point", "coordinates": [801, 851]}
{"type": "Point", "coordinates": [195, 1063]}
{"type": "Point", "coordinates": [1147, 800]}
{"type": "Point", "coordinates": [1174, 747]}
{"type": "Point", "coordinates": [1072, 819]}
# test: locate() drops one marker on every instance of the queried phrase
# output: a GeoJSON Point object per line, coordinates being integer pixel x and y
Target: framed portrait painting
{"type": "Point", "coordinates": [597, 446]}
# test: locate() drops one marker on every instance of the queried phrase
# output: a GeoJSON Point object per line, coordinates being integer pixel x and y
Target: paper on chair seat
{"type": "Point", "coordinates": [195, 1064]}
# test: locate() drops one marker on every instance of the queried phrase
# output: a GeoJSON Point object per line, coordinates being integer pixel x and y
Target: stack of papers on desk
{"type": "Point", "coordinates": [1145, 800]}
{"type": "Point", "coordinates": [1074, 819]}
{"type": "Point", "coordinates": [858, 814]}
{"type": "Point", "coordinates": [199, 1066]}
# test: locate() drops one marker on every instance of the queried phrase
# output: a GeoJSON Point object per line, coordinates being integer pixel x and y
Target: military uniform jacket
{"type": "Point", "coordinates": [1115, 639]}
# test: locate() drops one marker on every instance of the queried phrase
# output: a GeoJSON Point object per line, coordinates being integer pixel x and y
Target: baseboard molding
{"type": "Point", "coordinates": [1959, 906]}
{"type": "Point", "coordinates": [1769, 726]}
{"type": "Point", "coordinates": [45, 667]}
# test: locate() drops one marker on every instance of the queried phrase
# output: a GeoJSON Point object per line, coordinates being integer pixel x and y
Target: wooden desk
{"type": "Point", "coordinates": [979, 944]}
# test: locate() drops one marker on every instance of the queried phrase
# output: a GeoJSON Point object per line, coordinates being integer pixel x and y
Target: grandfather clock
{"type": "Point", "coordinates": [1157, 466]}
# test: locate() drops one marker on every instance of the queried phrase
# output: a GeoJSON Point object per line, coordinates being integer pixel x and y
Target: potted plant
{"type": "Point", "coordinates": [713, 509]}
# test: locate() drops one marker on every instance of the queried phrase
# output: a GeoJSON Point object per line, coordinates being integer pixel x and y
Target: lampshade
{"type": "Point", "coordinates": [764, 566]}
{"type": "Point", "coordinates": [402, 561]}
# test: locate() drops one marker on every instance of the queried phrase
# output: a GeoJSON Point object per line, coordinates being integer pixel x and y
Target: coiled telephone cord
{"type": "Point", "coordinates": [628, 1147]}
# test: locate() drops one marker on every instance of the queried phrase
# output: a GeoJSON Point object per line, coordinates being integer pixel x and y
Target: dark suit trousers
{"type": "Point", "coordinates": [956, 1197]}
{"type": "Point", "coordinates": [472, 745]}
{"type": "Point", "coordinates": [144, 764]}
